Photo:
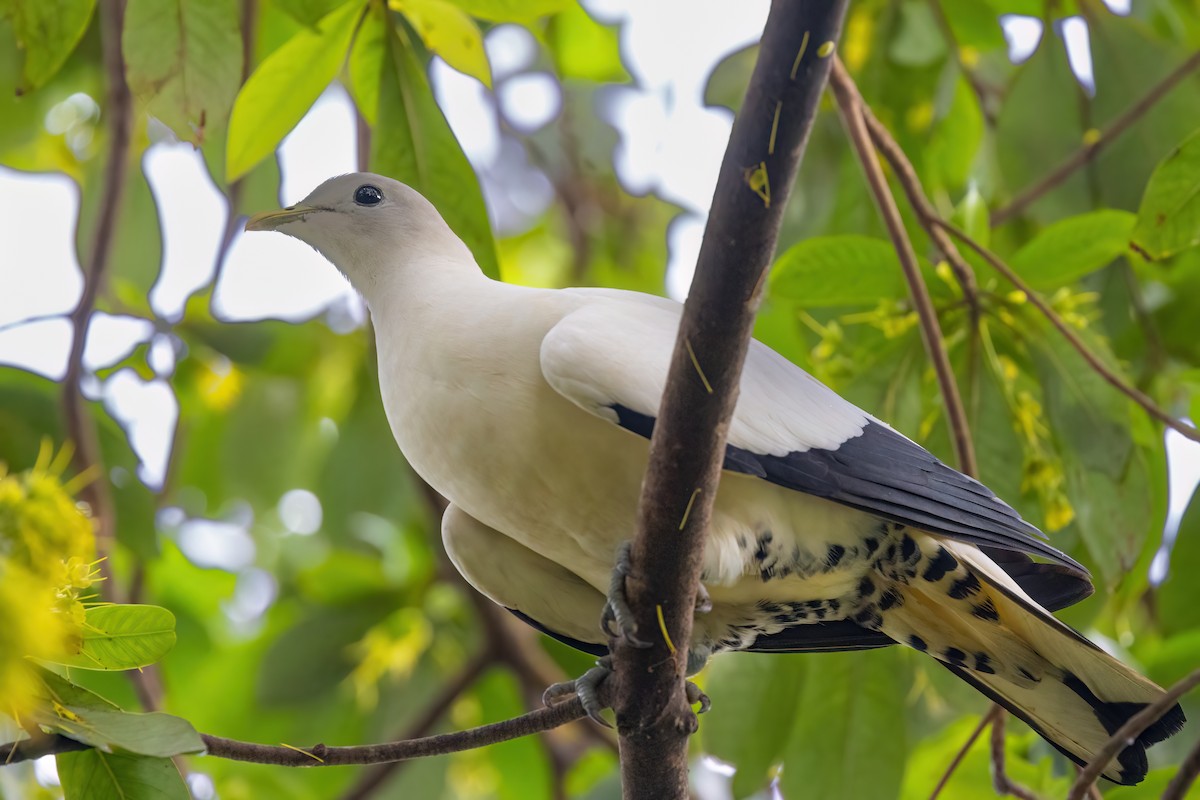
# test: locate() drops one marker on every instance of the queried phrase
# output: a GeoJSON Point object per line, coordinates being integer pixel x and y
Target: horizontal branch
{"type": "Point", "coordinates": [1089, 151]}
{"type": "Point", "coordinates": [320, 755]}
{"type": "Point", "coordinates": [1128, 732]}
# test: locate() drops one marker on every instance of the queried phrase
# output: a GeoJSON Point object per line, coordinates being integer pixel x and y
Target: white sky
{"type": "Point", "coordinates": [670, 145]}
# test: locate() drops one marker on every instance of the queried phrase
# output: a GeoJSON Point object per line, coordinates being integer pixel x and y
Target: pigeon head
{"type": "Point", "coordinates": [374, 229]}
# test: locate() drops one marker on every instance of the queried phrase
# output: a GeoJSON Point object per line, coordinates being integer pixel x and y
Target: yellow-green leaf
{"type": "Point", "coordinates": [584, 48]}
{"type": "Point", "coordinates": [284, 86]}
{"type": "Point", "coordinates": [1169, 217]}
{"type": "Point", "coordinates": [48, 33]}
{"type": "Point", "coordinates": [512, 10]}
{"type": "Point", "coordinates": [449, 32]}
{"type": "Point", "coordinates": [367, 57]}
{"type": "Point", "coordinates": [867, 269]}
{"type": "Point", "coordinates": [185, 60]}
{"type": "Point", "coordinates": [123, 637]}
{"type": "Point", "coordinates": [420, 149]}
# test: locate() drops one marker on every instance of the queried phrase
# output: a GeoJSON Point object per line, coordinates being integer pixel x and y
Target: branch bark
{"type": "Point", "coordinates": [688, 446]}
{"type": "Point", "coordinates": [320, 755]}
{"type": "Point", "coordinates": [851, 105]}
{"type": "Point", "coordinates": [1089, 151]}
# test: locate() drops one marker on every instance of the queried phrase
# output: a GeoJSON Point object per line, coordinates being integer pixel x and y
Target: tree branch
{"type": "Point", "coordinates": [1092, 148]}
{"type": "Point", "coordinates": [81, 429]}
{"type": "Point", "coordinates": [371, 779]}
{"type": "Point", "coordinates": [1093, 360]}
{"type": "Point", "coordinates": [854, 119]}
{"type": "Point", "coordinates": [1003, 784]}
{"type": "Point", "coordinates": [984, 721]}
{"type": "Point", "coordinates": [1182, 781]}
{"type": "Point", "coordinates": [1128, 732]}
{"type": "Point", "coordinates": [320, 755]}
{"type": "Point", "coordinates": [688, 445]}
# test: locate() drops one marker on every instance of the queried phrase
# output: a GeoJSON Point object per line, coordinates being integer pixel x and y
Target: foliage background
{"type": "Point", "coordinates": [342, 624]}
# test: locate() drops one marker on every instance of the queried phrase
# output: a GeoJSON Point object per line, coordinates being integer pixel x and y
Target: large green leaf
{"type": "Point", "coordinates": [413, 143]}
{"type": "Point", "coordinates": [368, 56]}
{"type": "Point", "coordinates": [850, 737]}
{"type": "Point", "coordinates": [48, 33]}
{"type": "Point", "coordinates": [838, 271]}
{"type": "Point", "coordinates": [584, 48]}
{"type": "Point", "coordinates": [284, 86]}
{"type": "Point", "coordinates": [112, 730]}
{"type": "Point", "coordinates": [123, 637]}
{"type": "Point", "coordinates": [754, 710]}
{"type": "Point", "coordinates": [1177, 604]}
{"type": "Point", "coordinates": [94, 775]}
{"type": "Point", "coordinates": [1073, 247]}
{"type": "Point", "coordinates": [1169, 218]}
{"type": "Point", "coordinates": [184, 59]}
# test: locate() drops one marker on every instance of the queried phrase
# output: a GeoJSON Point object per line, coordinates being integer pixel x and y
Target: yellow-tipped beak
{"type": "Point", "coordinates": [271, 220]}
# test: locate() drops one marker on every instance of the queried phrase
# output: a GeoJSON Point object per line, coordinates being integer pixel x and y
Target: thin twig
{"type": "Point", "coordinates": [371, 779]}
{"type": "Point", "coordinates": [1003, 784]}
{"type": "Point", "coordinates": [1071, 336]}
{"type": "Point", "coordinates": [1093, 147]}
{"type": "Point", "coordinates": [851, 107]}
{"type": "Point", "coordinates": [320, 755]}
{"type": "Point", "coordinates": [1182, 780]}
{"type": "Point", "coordinates": [984, 721]}
{"type": "Point", "coordinates": [1129, 732]}
{"type": "Point", "coordinates": [81, 428]}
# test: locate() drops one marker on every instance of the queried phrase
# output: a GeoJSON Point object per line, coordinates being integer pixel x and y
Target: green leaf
{"type": "Point", "coordinates": [308, 12]}
{"type": "Point", "coordinates": [1177, 604]}
{"type": "Point", "coordinates": [449, 32]}
{"type": "Point", "coordinates": [754, 709]}
{"type": "Point", "coordinates": [48, 32]}
{"type": "Point", "coordinates": [838, 271]}
{"type": "Point", "coordinates": [1073, 247]}
{"type": "Point", "coordinates": [94, 775]}
{"type": "Point", "coordinates": [123, 637]}
{"type": "Point", "coordinates": [420, 150]}
{"type": "Point", "coordinates": [849, 739]}
{"type": "Point", "coordinates": [512, 10]}
{"type": "Point", "coordinates": [184, 59]}
{"type": "Point", "coordinates": [284, 86]}
{"type": "Point", "coordinates": [57, 689]}
{"type": "Point", "coordinates": [112, 730]}
{"type": "Point", "coordinates": [918, 42]}
{"type": "Point", "coordinates": [368, 56]}
{"type": "Point", "coordinates": [1169, 218]}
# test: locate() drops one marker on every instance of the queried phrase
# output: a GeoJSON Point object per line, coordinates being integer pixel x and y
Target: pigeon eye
{"type": "Point", "coordinates": [368, 195]}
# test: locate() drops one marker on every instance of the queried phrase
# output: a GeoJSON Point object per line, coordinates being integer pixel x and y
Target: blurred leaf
{"type": "Point", "coordinates": [1039, 125]}
{"type": "Point", "coordinates": [849, 738]}
{"type": "Point", "coordinates": [124, 637]}
{"type": "Point", "coordinates": [1073, 247]}
{"type": "Point", "coordinates": [583, 48]}
{"type": "Point", "coordinates": [449, 32]}
{"type": "Point", "coordinates": [754, 709]}
{"type": "Point", "coordinates": [184, 60]}
{"type": "Point", "coordinates": [955, 140]}
{"type": "Point", "coordinates": [1177, 606]}
{"type": "Point", "coordinates": [520, 767]}
{"type": "Point", "coordinates": [867, 270]}
{"type": "Point", "coordinates": [48, 33]}
{"type": "Point", "coordinates": [309, 12]}
{"type": "Point", "coordinates": [1169, 218]}
{"type": "Point", "coordinates": [1154, 786]}
{"type": "Point", "coordinates": [1128, 58]}
{"type": "Point", "coordinates": [524, 11]}
{"type": "Point", "coordinates": [726, 84]}
{"type": "Point", "coordinates": [283, 87]}
{"type": "Point", "coordinates": [918, 42]}
{"type": "Point", "coordinates": [420, 150]}
{"type": "Point", "coordinates": [94, 775]}
{"type": "Point", "coordinates": [368, 56]}
{"type": "Point", "coordinates": [136, 255]}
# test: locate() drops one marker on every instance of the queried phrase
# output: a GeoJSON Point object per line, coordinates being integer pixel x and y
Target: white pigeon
{"type": "Point", "coordinates": [530, 410]}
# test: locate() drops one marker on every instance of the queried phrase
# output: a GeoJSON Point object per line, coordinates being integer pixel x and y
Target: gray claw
{"type": "Point", "coordinates": [617, 617]}
{"type": "Point", "coordinates": [585, 687]}
{"type": "Point", "coordinates": [703, 601]}
{"type": "Point", "coordinates": [694, 696]}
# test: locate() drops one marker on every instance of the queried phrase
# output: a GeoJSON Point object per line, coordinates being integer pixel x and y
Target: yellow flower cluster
{"type": "Point", "coordinates": [46, 549]}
